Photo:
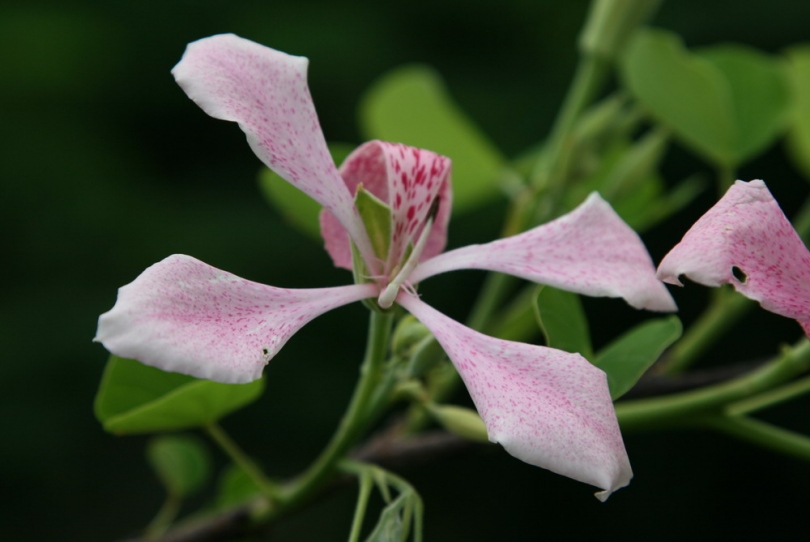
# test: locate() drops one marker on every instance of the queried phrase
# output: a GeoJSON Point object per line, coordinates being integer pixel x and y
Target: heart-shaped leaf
{"type": "Point", "coordinates": [683, 92]}
{"type": "Point", "coordinates": [759, 96]}
{"type": "Point", "coordinates": [136, 398]}
{"type": "Point", "coordinates": [727, 102]}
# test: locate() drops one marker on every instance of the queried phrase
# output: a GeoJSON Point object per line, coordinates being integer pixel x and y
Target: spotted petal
{"type": "Point", "coordinates": [748, 231]}
{"type": "Point", "coordinates": [408, 180]}
{"type": "Point", "coordinates": [265, 91]}
{"type": "Point", "coordinates": [185, 316]}
{"type": "Point", "coordinates": [546, 407]}
{"type": "Point", "coordinates": [589, 251]}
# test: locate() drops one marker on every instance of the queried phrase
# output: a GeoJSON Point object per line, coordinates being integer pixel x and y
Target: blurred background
{"type": "Point", "coordinates": [106, 167]}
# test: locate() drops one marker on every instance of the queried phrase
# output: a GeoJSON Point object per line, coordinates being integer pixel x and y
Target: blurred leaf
{"type": "Point", "coordinates": [799, 134]}
{"type": "Point", "coordinates": [391, 527]}
{"type": "Point", "coordinates": [759, 95]}
{"type": "Point", "coordinates": [563, 321]}
{"type": "Point", "coordinates": [636, 165]}
{"type": "Point", "coordinates": [181, 462]}
{"type": "Point", "coordinates": [685, 93]}
{"type": "Point", "coordinates": [627, 358]}
{"type": "Point", "coordinates": [727, 102]}
{"type": "Point", "coordinates": [300, 210]}
{"type": "Point", "coordinates": [650, 209]}
{"type": "Point", "coordinates": [136, 398]}
{"type": "Point", "coordinates": [411, 105]}
{"type": "Point", "coordinates": [235, 487]}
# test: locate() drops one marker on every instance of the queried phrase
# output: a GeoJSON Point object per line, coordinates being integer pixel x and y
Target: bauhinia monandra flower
{"type": "Point", "coordinates": [546, 407]}
{"type": "Point", "coordinates": [747, 241]}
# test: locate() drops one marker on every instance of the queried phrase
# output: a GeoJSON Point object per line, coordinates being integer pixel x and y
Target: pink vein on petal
{"type": "Point", "coordinates": [589, 251]}
{"type": "Point", "coordinates": [746, 229]}
{"type": "Point", "coordinates": [546, 407]}
{"type": "Point", "coordinates": [265, 91]}
{"type": "Point", "coordinates": [183, 315]}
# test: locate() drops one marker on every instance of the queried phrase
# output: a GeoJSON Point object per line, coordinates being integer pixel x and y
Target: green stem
{"type": "Point", "coordinates": [355, 421]}
{"type": "Point", "coordinates": [692, 407]}
{"type": "Point", "coordinates": [725, 309]}
{"type": "Point", "coordinates": [769, 398]}
{"type": "Point", "coordinates": [366, 483]}
{"type": "Point", "coordinates": [164, 517]}
{"type": "Point", "coordinates": [764, 434]}
{"type": "Point", "coordinates": [241, 459]}
{"type": "Point", "coordinates": [549, 177]}
{"type": "Point", "coordinates": [495, 289]}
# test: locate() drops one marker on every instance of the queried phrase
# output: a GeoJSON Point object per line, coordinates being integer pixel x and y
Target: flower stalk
{"type": "Point", "coordinates": [352, 426]}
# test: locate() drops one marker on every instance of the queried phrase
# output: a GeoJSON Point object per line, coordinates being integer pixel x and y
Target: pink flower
{"type": "Point", "coordinates": [546, 407]}
{"type": "Point", "coordinates": [745, 240]}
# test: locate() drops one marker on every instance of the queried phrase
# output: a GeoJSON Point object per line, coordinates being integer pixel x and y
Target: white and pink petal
{"type": "Point", "coordinates": [748, 234]}
{"type": "Point", "coordinates": [185, 316]}
{"type": "Point", "coordinates": [265, 91]}
{"type": "Point", "coordinates": [590, 251]}
{"type": "Point", "coordinates": [408, 180]}
{"type": "Point", "coordinates": [546, 407]}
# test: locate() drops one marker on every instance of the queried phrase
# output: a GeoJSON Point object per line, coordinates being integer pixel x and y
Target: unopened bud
{"type": "Point", "coordinates": [460, 421]}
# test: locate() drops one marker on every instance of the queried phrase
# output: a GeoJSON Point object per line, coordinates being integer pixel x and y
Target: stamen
{"type": "Point", "coordinates": [388, 295]}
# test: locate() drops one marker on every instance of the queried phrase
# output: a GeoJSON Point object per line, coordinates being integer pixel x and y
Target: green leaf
{"type": "Point", "coordinates": [376, 216]}
{"type": "Point", "coordinates": [684, 92]}
{"type": "Point", "coordinates": [235, 487]}
{"type": "Point", "coordinates": [627, 358]}
{"type": "Point", "coordinates": [411, 105]}
{"type": "Point", "coordinates": [727, 102]}
{"type": "Point", "coordinates": [181, 462]}
{"type": "Point", "coordinates": [563, 322]}
{"type": "Point", "coordinates": [799, 134]}
{"type": "Point", "coordinates": [759, 96]}
{"type": "Point", "coordinates": [297, 208]}
{"type": "Point", "coordinates": [136, 398]}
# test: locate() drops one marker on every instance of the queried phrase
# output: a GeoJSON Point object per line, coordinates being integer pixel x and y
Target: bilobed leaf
{"type": "Point", "coordinates": [799, 134]}
{"type": "Point", "coordinates": [562, 321]}
{"type": "Point", "coordinates": [627, 358]}
{"type": "Point", "coordinates": [297, 208]}
{"type": "Point", "coordinates": [759, 96]}
{"type": "Point", "coordinates": [411, 105]}
{"type": "Point", "coordinates": [136, 398]}
{"type": "Point", "coordinates": [181, 463]}
{"type": "Point", "coordinates": [684, 92]}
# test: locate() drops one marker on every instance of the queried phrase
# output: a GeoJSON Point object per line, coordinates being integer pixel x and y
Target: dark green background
{"type": "Point", "coordinates": [106, 167]}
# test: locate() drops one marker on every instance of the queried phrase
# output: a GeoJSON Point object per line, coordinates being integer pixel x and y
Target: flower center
{"type": "Point", "coordinates": [389, 293]}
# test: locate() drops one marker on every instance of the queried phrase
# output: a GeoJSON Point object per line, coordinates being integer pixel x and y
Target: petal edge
{"type": "Point", "coordinates": [183, 315]}
{"type": "Point", "coordinates": [546, 407]}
